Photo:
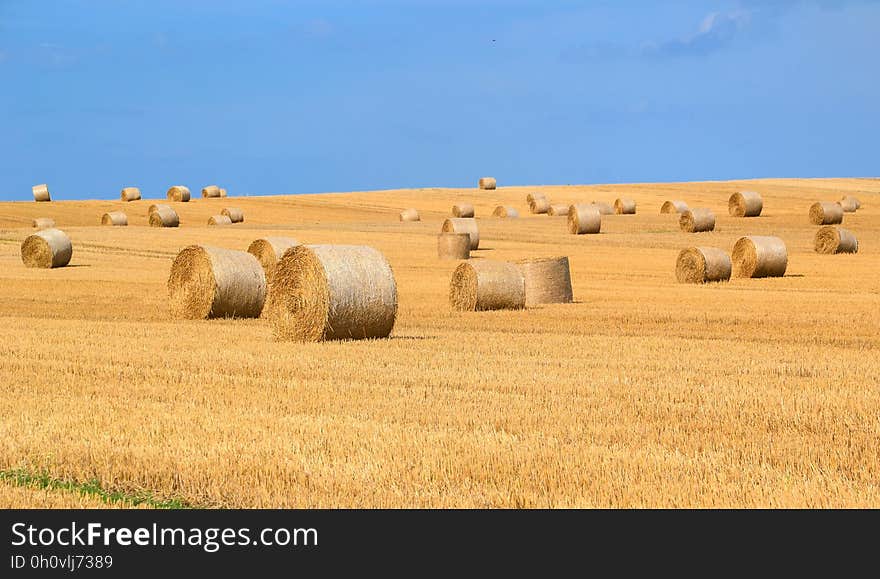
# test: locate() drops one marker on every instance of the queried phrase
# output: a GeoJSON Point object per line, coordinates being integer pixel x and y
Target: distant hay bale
{"type": "Point", "coordinates": [463, 225]}
{"type": "Point", "coordinates": [505, 211]}
{"type": "Point", "coordinates": [702, 265]}
{"type": "Point", "coordinates": [583, 218]}
{"type": "Point", "coordinates": [463, 210]}
{"type": "Point", "coordinates": [479, 285]}
{"type": "Point", "coordinates": [44, 223]}
{"type": "Point", "coordinates": [164, 216]}
{"type": "Point", "coordinates": [211, 191]}
{"type": "Point", "coordinates": [849, 204]}
{"type": "Point", "coordinates": [410, 215]}
{"type": "Point", "coordinates": [114, 218]}
{"type": "Point", "coordinates": [538, 204]}
{"type": "Point", "coordinates": [759, 256]}
{"type": "Point", "coordinates": [41, 192]}
{"type": "Point", "coordinates": [178, 193]}
{"type": "Point", "coordinates": [488, 183]}
{"type": "Point", "coordinates": [826, 213]}
{"type": "Point", "coordinates": [209, 282]}
{"type": "Point", "coordinates": [453, 246]}
{"type": "Point", "coordinates": [623, 206]}
{"type": "Point", "coordinates": [222, 192]}
{"type": "Point", "coordinates": [558, 210]}
{"type": "Point", "coordinates": [697, 220]}
{"type": "Point", "coordinates": [546, 280]}
{"type": "Point", "coordinates": [46, 249]}
{"type": "Point", "coordinates": [830, 239]}
{"type": "Point", "coordinates": [219, 220]}
{"type": "Point", "coordinates": [673, 207]}
{"type": "Point", "coordinates": [156, 206]}
{"type": "Point", "coordinates": [333, 292]}
{"type": "Point", "coordinates": [745, 204]}
{"type": "Point", "coordinates": [604, 208]}
{"type": "Point", "coordinates": [130, 194]}
{"type": "Point", "coordinates": [234, 214]}
{"type": "Point", "coordinates": [268, 251]}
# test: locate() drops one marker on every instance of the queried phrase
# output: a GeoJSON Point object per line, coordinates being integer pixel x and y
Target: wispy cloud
{"type": "Point", "coordinates": [715, 31]}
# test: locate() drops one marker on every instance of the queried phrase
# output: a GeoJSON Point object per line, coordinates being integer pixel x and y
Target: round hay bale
{"type": "Point", "coordinates": [453, 246]}
{"type": "Point", "coordinates": [156, 206]}
{"type": "Point", "coordinates": [539, 205]}
{"type": "Point", "coordinates": [234, 214]}
{"type": "Point", "coordinates": [623, 206]}
{"type": "Point", "coordinates": [211, 191]}
{"type": "Point", "coordinates": [830, 239]}
{"type": "Point", "coordinates": [584, 218]}
{"type": "Point", "coordinates": [219, 220]}
{"type": "Point", "coordinates": [410, 215]}
{"type": "Point", "coordinates": [485, 284]}
{"type": "Point", "coordinates": [673, 207]}
{"type": "Point", "coordinates": [547, 280]}
{"type": "Point", "coordinates": [164, 216]}
{"type": "Point", "coordinates": [114, 218]}
{"type": "Point", "coordinates": [826, 213]}
{"type": "Point", "coordinates": [604, 208]}
{"type": "Point", "coordinates": [463, 210]}
{"type": "Point", "coordinates": [222, 192]}
{"type": "Point", "coordinates": [41, 193]}
{"type": "Point", "coordinates": [505, 211]}
{"type": "Point", "coordinates": [46, 249]}
{"type": "Point", "coordinates": [558, 210]}
{"type": "Point", "coordinates": [268, 250]}
{"type": "Point", "coordinates": [130, 194]}
{"type": "Point", "coordinates": [44, 223]}
{"type": "Point", "coordinates": [333, 292]}
{"type": "Point", "coordinates": [178, 193]}
{"type": "Point", "coordinates": [702, 264]}
{"type": "Point", "coordinates": [697, 220]}
{"type": "Point", "coordinates": [210, 282]}
{"type": "Point", "coordinates": [488, 183]}
{"type": "Point", "coordinates": [849, 204]}
{"type": "Point", "coordinates": [759, 256]}
{"type": "Point", "coordinates": [745, 204]}
{"type": "Point", "coordinates": [463, 225]}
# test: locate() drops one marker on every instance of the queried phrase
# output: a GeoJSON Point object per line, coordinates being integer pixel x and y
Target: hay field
{"type": "Point", "coordinates": [642, 393]}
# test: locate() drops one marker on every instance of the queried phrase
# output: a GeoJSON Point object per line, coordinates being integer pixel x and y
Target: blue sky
{"type": "Point", "coordinates": [276, 97]}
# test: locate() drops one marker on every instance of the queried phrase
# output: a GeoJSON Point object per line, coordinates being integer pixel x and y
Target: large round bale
{"type": "Point", "coordinates": [538, 204]}
{"type": "Point", "coordinates": [463, 225]}
{"type": "Point", "coordinates": [219, 220]}
{"type": "Point", "coordinates": [164, 217]}
{"type": "Point", "coordinates": [697, 220]}
{"type": "Point", "coordinates": [624, 206]}
{"type": "Point", "coordinates": [463, 210]}
{"type": "Point", "coordinates": [269, 250]}
{"type": "Point", "coordinates": [234, 214]}
{"type": "Point", "coordinates": [584, 218]}
{"type": "Point", "coordinates": [673, 207]}
{"type": "Point", "coordinates": [211, 191]}
{"type": "Point", "coordinates": [830, 239]}
{"type": "Point", "coordinates": [759, 256]}
{"type": "Point", "coordinates": [46, 249]}
{"type": "Point", "coordinates": [130, 194]}
{"type": "Point", "coordinates": [156, 206]}
{"type": "Point", "coordinates": [178, 193]}
{"type": "Point", "coordinates": [410, 215]}
{"type": "Point", "coordinates": [826, 213]}
{"type": "Point", "coordinates": [44, 223]}
{"type": "Point", "coordinates": [849, 204]}
{"type": "Point", "coordinates": [453, 246]}
{"type": "Point", "coordinates": [480, 285]}
{"type": "Point", "coordinates": [210, 282]}
{"type": "Point", "coordinates": [114, 218]}
{"type": "Point", "coordinates": [222, 192]}
{"type": "Point", "coordinates": [745, 204]}
{"type": "Point", "coordinates": [333, 292]}
{"type": "Point", "coordinates": [488, 183]}
{"type": "Point", "coordinates": [702, 264]}
{"type": "Point", "coordinates": [558, 210]}
{"type": "Point", "coordinates": [505, 211]}
{"type": "Point", "coordinates": [604, 208]}
{"type": "Point", "coordinates": [547, 280]}
{"type": "Point", "coordinates": [41, 193]}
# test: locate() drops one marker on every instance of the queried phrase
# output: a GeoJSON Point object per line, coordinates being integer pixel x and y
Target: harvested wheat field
{"type": "Point", "coordinates": [643, 392]}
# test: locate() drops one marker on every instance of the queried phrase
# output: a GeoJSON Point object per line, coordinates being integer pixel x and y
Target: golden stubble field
{"type": "Point", "coordinates": [643, 393]}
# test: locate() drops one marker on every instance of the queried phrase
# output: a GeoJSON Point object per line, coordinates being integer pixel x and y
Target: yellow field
{"type": "Point", "coordinates": [643, 393]}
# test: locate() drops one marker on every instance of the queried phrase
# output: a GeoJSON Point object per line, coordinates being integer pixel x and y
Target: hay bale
{"type": "Point", "coordinates": [234, 214]}
{"type": "Point", "coordinates": [410, 215]}
{"type": "Point", "coordinates": [178, 193]}
{"type": "Point", "coordinates": [826, 213]}
{"type": "Point", "coordinates": [211, 191]}
{"type": "Point", "coordinates": [538, 204]}
{"type": "Point", "coordinates": [584, 218]}
{"type": "Point", "coordinates": [547, 280]}
{"type": "Point", "coordinates": [130, 194]}
{"type": "Point", "coordinates": [505, 211]}
{"type": "Point", "coordinates": [463, 225]}
{"type": "Point", "coordinates": [673, 207]}
{"type": "Point", "coordinates": [164, 216]}
{"type": "Point", "coordinates": [333, 292]}
{"type": "Point", "coordinates": [453, 246]}
{"type": "Point", "coordinates": [480, 285]}
{"type": "Point", "coordinates": [488, 183]}
{"type": "Point", "coordinates": [222, 192]}
{"type": "Point", "coordinates": [46, 249]}
{"type": "Point", "coordinates": [702, 264]}
{"type": "Point", "coordinates": [830, 239]}
{"type": "Point", "coordinates": [114, 218]}
{"type": "Point", "coordinates": [463, 210]}
{"type": "Point", "coordinates": [210, 282]}
{"type": "Point", "coordinates": [41, 193]}
{"type": "Point", "coordinates": [697, 220]}
{"type": "Point", "coordinates": [759, 256]}
{"type": "Point", "coordinates": [219, 220]}
{"type": "Point", "coordinates": [269, 250]}
{"type": "Point", "coordinates": [558, 210]}
{"type": "Point", "coordinates": [44, 223]}
{"type": "Point", "coordinates": [604, 208]}
{"type": "Point", "coordinates": [849, 204]}
{"type": "Point", "coordinates": [623, 206]}
{"type": "Point", "coordinates": [745, 204]}
{"type": "Point", "coordinates": [156, 206]}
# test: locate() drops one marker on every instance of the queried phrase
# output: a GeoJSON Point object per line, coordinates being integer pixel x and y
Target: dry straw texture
{"type": "Point", "coordinates": [209, 282]}
{"type": "Point", "coordinates": [546, 280]}
{"type": "Point", "coordinates": [222, 192]}
{"type": "Point", "coordinates": [697, 220]}
{"type": "Point", "coordinates": [702, 264]}
{"type": "Point", "coordinates": [234, 214]}
{"type": "Point", "coordinates": [115, 218]}
{"type": "Point", "coordinates": [584, 218]}
{"type": "Point", "coordinates": [830, 239]}
{"type": "Point", "coordinates": [156, 206]}
{"type": "Point", "coordinates": [178, 193]}
{"type": "Point", "coordinates": [463, 225]}
{"type": "Point", "coordinates": [44, 223]}
{"type": "Point", "coordinates": [826, 213]}
{"type": "Point", "coordinates": [41, 192]}
{"type": "Point", "coordinates": [673, 207]}
{"type": "Point", "coordinates": [268, 250]}
{"type": "Point", "coordinates": [604, 208]}
{"type": "Point", "coordinates": [623, 206]}
{"type": "Point", "coordinates": [849, 204]}
{"type": "Point", "coordinates": [410, 215]}
{"type": "Point", "coordinates": [211, 191]}
{"type": "Point", "coordinates": [487, 285]}
{"type": "Point", "coordinates": [759, 256]}
{"type": "Point", "coordinates": [488, 183]}
{"type": "Point", "coordinates": [219, 220]}
{"type": "Point", "coordinates": [539, 205]}
{"type": "Point", "coordinates": [46, 249]}
{"type": "Point", "coordinates": [453, 246]}
{"type": "Point", "coordinates": [130, 194]}
{"type": "Point", "coordinates": [558, 210]}
{"type": "Point", "coordinates": [164, 216]}
{"type": "Point", "coordinates": [463, 210]}
{"type": "Point", "coordinates": [505, 211]}
{"type": "Point", "coordinates": [745, 204]}
{"type": "Point", "coordinates": [333, 292]}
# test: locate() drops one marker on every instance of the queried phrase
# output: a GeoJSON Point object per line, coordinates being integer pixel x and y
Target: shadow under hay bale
{"type": "Point", "coordinates": [269, 250]}
{"type": "Point", "coordinates": [463, 210]}
{"type": "Point", "coordinates": [46, 249]}
{"type": "Point", "coordinates": [697, 220]}
{"type": "Point", "coordinates": [410, 215]}
{"type": "Point", "coordinates": [583, 218]}
{"type": "Point", "coordinates": [453, 246]}
{"type": "Point", "coordinates": [830, 240]}
{"type": "Point", "coordinates": [178, 193]}
{"type": "Point", "coordinates": [115, 219]}
{"type": "Point", "coordinates": [41, 193]}
{"type": "Point", "coordinates": [745, 204]}
{"type": "Point", "coordinates": [759, 256]}
{"type": "Point", "coordinates": [702, 265]}
{"type": "Point", "coordinates": [463, 225]}
{"type": "Point", "coordinates": [487, 285]}
{"type": "Point", "coordinates": [826, 213]}
{"type": "Point", "coordinates": [130, 194]}
{"type": "Point", "coordinates": [623, 206]}
{"type": "Point", "coordinates": [546, 280]}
